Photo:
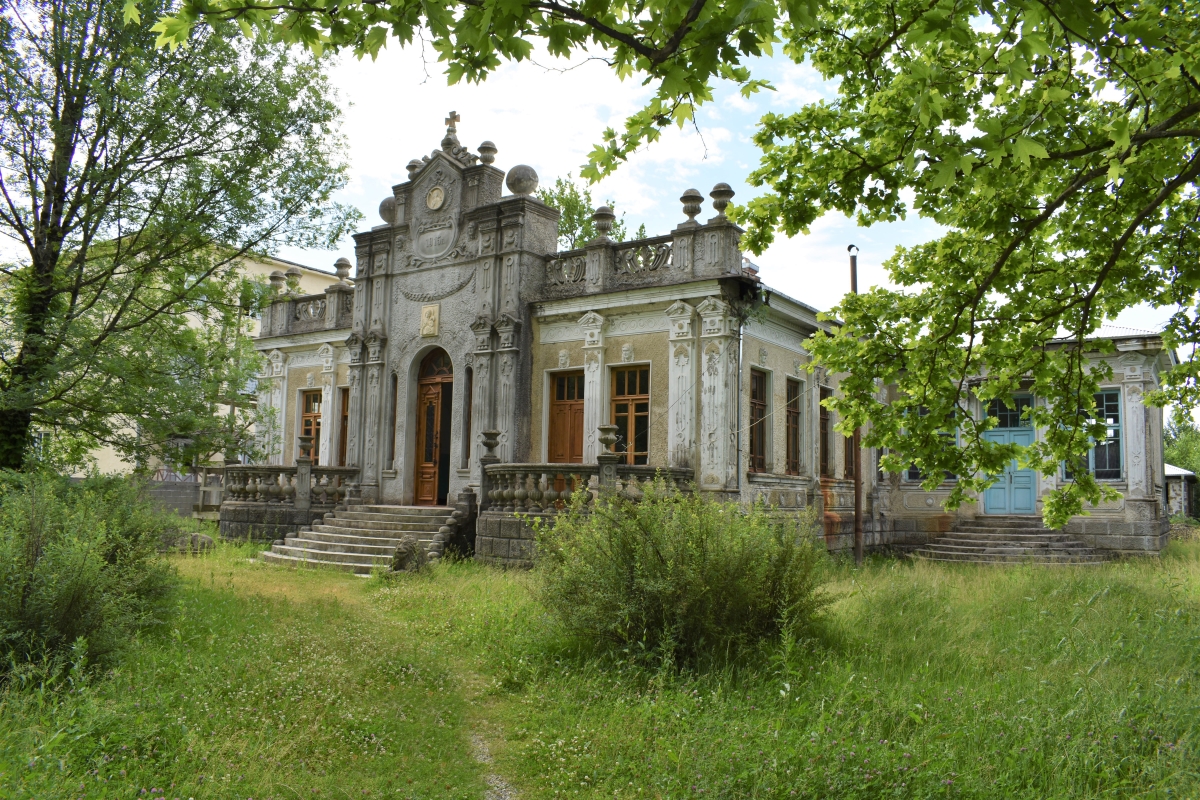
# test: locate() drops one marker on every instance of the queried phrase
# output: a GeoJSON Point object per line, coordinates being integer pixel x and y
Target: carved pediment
{"type": "Point", "coordinates": [680, 309]}
{"type": "Point", "coordinates": [591, 320]}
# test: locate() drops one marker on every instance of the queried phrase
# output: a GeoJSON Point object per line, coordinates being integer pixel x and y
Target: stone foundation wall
{"type": "Point", "coordinates": [504, 540]}
{"type": "Point", "coordinates": [264, 522]}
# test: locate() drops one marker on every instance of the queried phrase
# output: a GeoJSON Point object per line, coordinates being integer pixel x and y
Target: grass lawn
{"type": "Point", "coordinates": [923, 681]}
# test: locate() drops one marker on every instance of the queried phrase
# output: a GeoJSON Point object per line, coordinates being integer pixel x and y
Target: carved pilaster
{"type": "Point", "coordinates": [718, 396]}
{"type": "Point", "coordinates": [507, 361]}
{"type": "Point", "coordinates": [595, 390]}
{"type": "Point", "coordinates": [325, 451]}
{"type": "Point", "coordinates": [482, 400]}
{"type": "Point", "coordinates": [354, 424]}
{"type": "Point", "coordinates": [1134, 428]}
{"type": "Point", "coordinates": [681, 398]}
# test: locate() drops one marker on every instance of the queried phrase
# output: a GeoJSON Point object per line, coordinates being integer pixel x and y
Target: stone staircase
{"type": "Point", "coordinates": [1008, 540]}
{"type": "Point", "coordinates": [361, 537]}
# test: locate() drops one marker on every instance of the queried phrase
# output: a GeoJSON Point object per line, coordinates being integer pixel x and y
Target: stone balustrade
{"type": "Point", "coordinates": [326, 486]}
{"type": "Point", "coordinates": [537, 488]}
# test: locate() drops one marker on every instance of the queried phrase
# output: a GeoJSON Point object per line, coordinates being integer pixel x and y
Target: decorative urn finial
{"type": "Point", "coordinates": [293, 279]}
{"type": "Point", "coordinates": [342, 267]}
{"type": "Point", "coordinates": [487, 153]}
{"type": "Point", "coordinates": [721, 195]}
{"type": "Point", "coordinates": [603, 217]}
{"type": "Point", "coordinates": [691, 199]}
{"type": "Point", "coordinates": [277, 282]}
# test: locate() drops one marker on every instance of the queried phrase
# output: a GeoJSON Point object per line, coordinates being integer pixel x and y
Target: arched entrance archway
{"type": "Point", "coordinates": [435, 389]}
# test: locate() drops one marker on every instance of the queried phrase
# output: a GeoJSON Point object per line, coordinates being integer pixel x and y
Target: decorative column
{"type": "Point", "coordinates": [1134, 427]}
{"type": "Point", "coordinates": [681, 399]}
{"type": "Point", "coordinates": [595, 395]}
{"type": "Point", "coordinates": [717, 470]}
{"type": "Point", "coordinates": [372, 428]}
{"type": "Point", "coordinates": [324, 450]}
{"type": "Point", "coordinates": [507, 357]}
{"type": "Point", "coordinates": [481, 400]}
{"type": "Point", "coordinates": [354, 344]}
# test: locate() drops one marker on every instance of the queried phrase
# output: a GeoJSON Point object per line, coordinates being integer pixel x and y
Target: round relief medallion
{"type": "Point", "coordinates": [435, 198]}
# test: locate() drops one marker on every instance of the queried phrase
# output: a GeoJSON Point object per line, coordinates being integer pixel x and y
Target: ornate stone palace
{"type": "Point", "coordinates": [472, 371]}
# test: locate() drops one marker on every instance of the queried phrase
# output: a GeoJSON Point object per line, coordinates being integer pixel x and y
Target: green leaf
{"type": "Point", "coordinates": [130, 13]}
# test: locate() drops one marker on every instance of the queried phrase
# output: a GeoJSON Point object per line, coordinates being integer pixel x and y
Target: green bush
{"type": "Point", "coordinates": [679, 577]}
{"type": "Point", "coordinates": [79, 570]}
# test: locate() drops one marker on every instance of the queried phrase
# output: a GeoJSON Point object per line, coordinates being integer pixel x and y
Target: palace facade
{"type": "Point", "coordinates": [468, 340]}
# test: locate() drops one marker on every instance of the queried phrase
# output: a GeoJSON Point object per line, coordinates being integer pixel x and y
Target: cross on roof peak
{"type": "Point", "coordinates": [452, 119]}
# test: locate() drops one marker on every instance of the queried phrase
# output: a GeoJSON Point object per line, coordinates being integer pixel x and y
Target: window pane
{"type": "Point", "coordinates": [644, 382]}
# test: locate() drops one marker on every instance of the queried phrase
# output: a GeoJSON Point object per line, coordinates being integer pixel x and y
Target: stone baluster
{"type": "Point", "coordinates": [521, 494]}
{"type": "Point", "coordinates": [510, 489]}
{"type": "Point", "coordinates": [487, 489]}
{"type": "Point", "coordinates": [536, 493]}
{"type": "Point", "coordinates": [549, 494]}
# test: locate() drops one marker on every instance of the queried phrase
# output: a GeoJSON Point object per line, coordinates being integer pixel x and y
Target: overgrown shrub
{"type": "Point", "coordinates": [79, 569]}
{"type": "Point", "coordinates": [679, 576]}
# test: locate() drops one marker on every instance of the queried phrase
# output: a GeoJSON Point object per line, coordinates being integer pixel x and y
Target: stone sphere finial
{"type": "Point", "coordinates": [487, 153]}
{"type": "Point", "coordinates": [522, 180]}
{"type": "Point", "coordinates": [721, 194]}
{"type": "Point", "coordinates": [293, 279]}
{"type": "Point", "coordinates": [603, 217]}
{"type": "Point", "coordinates": [342, 267]}
{"type": "Point", "coordinates": [414, 167]}
{"type": "Point", "coordinates": [387, 210]}
{"type": "Point", "coordinates": [277, 280]}
{"type": "Point", "coordinates": [691, 199]}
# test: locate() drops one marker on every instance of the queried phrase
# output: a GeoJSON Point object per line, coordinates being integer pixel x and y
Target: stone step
{"type": "Point", "coordinates": [981, 528]}
{"type": "Point", "coordinates": [1000, 563]}
{"type": "Point", "coordinates": [367, 560]}
{"type": "Point", "coordinates": [986, 538]}
{"type": "Point", "coordinates": [1011, 556]}
{"type": "Point", "coordinates": [365, 525]}
{"type": "Point", "coordinates": [938, 547]}
{"type": "Point", "coordinates": [1009, 521]}
{"type": "Point", "coordinates": [271, 557]}
{"type": "Point", "coordinates": [414, 519]}
{"type": "Point", "coordinates": [384, 549]}
{"type": "Point", "coordinates": [424, 511]}
{"type": "Point", "coordinates": [323, 533]}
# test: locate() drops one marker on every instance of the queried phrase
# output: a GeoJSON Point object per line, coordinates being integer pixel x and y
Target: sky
{"type": "Point", "coordinates": [549, 113]}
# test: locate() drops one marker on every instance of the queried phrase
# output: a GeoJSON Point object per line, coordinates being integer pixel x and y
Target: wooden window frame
{"type": "Point", "coordinates": [315, 417]}
{"type": "Point", "coordinates": [759, 402]}
{"type": "Point", "coordinates": [795, 394]}
{"type": "Point", "coordinates": [642, 371]}
{"type": "Point", "coordinates": [826, 463]}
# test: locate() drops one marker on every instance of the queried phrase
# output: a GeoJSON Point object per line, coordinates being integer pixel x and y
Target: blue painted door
{"type": "Point", "coordinates": [1014, 492]}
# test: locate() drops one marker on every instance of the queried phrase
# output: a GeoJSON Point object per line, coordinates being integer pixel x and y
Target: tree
{"type": "Point", "coordinates": [1055, 141]}
{"type": "Point", "coordinates": [133, 181]}
{"type": "Point", "coordinates": [574, 204]}
{"type": "Point", "coordinates": [1058, 144]}
{"type": "Point", "coordinates": [1181, 440]}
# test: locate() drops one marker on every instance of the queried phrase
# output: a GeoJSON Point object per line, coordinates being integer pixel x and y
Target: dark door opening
{"type": "Point", "coordinates": [435, 392]}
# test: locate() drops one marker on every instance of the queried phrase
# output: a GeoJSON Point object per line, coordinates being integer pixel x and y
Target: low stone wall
{"type": "Point", "coordinates": [176, 496]}
{"type": "Point", "coordinates": [505, 540]}
{"type": "Point", "coordinates": [264, 522]}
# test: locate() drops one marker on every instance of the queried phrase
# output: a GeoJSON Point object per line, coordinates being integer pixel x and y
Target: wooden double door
{"type": "Point", "coordinates": [435, 395]}
{"type": "Point", "coordinates": [565, 445]}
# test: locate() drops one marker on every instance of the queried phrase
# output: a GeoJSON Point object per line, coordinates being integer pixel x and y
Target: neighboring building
{"type": "Point", "coordinates": [464, 318]}
{"type": "Point", "coordinates": [1181, 491]}
{"type": "Point", "coordinates": [307, 280]}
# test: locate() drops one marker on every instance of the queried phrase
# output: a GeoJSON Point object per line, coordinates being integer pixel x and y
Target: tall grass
{"type": "Point", "coordinates": [922, 681]}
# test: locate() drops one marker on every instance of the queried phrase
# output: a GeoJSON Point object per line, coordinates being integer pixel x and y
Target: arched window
{"type": "Point", "coordinates": [436, 364]}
